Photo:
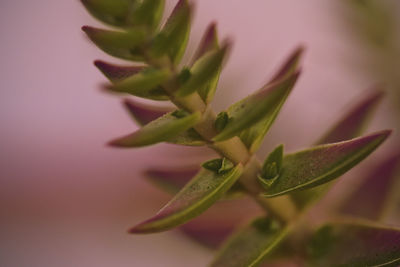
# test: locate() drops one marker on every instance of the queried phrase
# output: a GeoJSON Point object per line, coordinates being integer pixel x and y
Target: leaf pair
{"type": "Point", "coordinates": [334, 244]}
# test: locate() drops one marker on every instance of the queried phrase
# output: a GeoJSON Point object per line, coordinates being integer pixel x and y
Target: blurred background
{"type": "Point", "coordinates": [67, 199]}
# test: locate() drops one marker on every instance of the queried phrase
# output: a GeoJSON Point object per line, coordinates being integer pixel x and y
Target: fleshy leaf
{"type": "Point", "coordinates": [204, 71]}
{"type": "Point", "coordinates": [369, 199]}
{"type": "Point", "coordinates": [116, 73]}
{"type": "Point", "coordinates": [250, 245]}
{"type": "Point", "coordinates": [271, 167]}
{"type": "Point", "coordinates": [196, 197]}
{"type": "Point", "coordinates": [262, 105]}
{"type": "Point", "coordinates": [148, 13]}
{"type": "Point", "coordinates": [122, 44]}
{"type": "Point", "coordinates": [146, 84]}
{"type": "Point", "coordinates": [254, 136]}
{"type": "Point", "coordinates": [220, 165]}
{"type": "Point", "coordinates": [171, 180]}
{"type": "Point", "coordinates": [174, 35]}
{"type": "Point", "coordinates": [321, 164]}
{"type": "Point", "coordinates": [352, 245]}
{"type": "Point", "coordinates": [353, 123]}
{"type": "Point", "coordinates": [349, 126]}
{"type": "Point", "coordinates": [113, 12]}
{"type": "Point", "coordinates": [162, 129]}
{"type": "Point", "coordinates": [144, 113]}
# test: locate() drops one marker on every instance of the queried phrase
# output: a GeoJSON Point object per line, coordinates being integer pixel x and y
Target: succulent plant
{"type": "Point", "coordinates": [284, 185]}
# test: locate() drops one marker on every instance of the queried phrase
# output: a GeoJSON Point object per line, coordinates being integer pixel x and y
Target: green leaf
{"type": "Point", "coordinates": [197, 196]}
{"type": "Point", "coordinates": [209, 42]}
{"type": "Point", "coordinates": [249, 246]}
{"type": "Point", "coordinates": [162, 129]}
{"type": "Point", "coordinates": [116, 73]}
{"type": "Point", "coordinates": [204, 71]}
{"type": "Point", "coordinates": [321, 164]}
{"type": "Point", "coordinates": [271, 167]}
{"type": "Point", "coordinates": [354, 245]}
{"type": "Point", "coordinates": [144, 113]}
{"type": "Point", "coordinates": [355, 120]}
{"type": "Point", "coordinates": [221, 121]}
{"type": "Point", "coordinates": [146, 83]}
{"type": "Point", "coordinates": [253, 136]}
{"type": "Point", "coordinates": [262, 105]}
{"type": "Point", "coordinates": [371, 198]}
{"type": "Point", "coordinates": [220, 165]}
{"type": "Point", "coordinates": [113, 12]}
{"type": "Point", "coordinates": [122, 44]}
{"type": "Point", "coordinates": [148, 13]}
{"type": "Point", "coordinates": [174, 35]}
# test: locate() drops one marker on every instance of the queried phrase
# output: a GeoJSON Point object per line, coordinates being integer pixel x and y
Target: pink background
{"type": "Point", "coordinates": [66, 198]}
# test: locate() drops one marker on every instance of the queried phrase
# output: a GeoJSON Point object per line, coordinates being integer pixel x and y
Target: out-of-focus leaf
{"type": "Point", "coordinates": [116, 73]}
{"type": "Point", "coordinates": [146, 84]}
{"type": "Point", "coordinates": [253, 136]}
{"type": "Point", "coordinates": [369, 199]}
{"type": "Point", "coordinates": [113, 12]}
{"type": "Point", "coordinates": [196, 197]}
{"type": "Point", "coordinates": [289, 66]}
{"type": "Point", "coordinates": [162, 129]}
{"type": "Point", "coordinates": [208, 43]}
{"type": "Point", "coordinates": [174, 35]}
{"type": "Point", "coordinates": [262, 105]}
{"type": "Point", "coordinates": [171, 180]}
{"type": "Point", "coordinates": [353, 245]}
{"type": "Point", "coordinates": [250, 245]}
{"type": "Point", "coordinates": [355, 120]}
{"type": "Point", "coordinates": [204, 71]}
{"type": "Point", "coordinates": [122, 44]}
{"type": "Point", "coordinates": [148, 13]}
{"type": "Point", "coordinates": [321, 164]}
{"type": "Point", "coordinates": [350, 126]}
{"type": "Point", "coordinates": [144, 113]}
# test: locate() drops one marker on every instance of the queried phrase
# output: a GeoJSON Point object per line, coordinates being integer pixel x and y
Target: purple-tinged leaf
{"type": "Point", "coordinates": [116, 73]}
{"type": "Point", "coordinates": [208, 43]}
{"type": "Point", "coordinates": [354, 244]}
{"type": "Point", "coordinates": [261, 106]}
{"type": "Point", "coordinates": [250, 245]}
{"type": "Point", "coordinates": [196, 197]}
{"type": "Point", "coordinates": [121, 44]}
{"type": "Point", "coordinates": [289, 66]}
{"type": "Point", "coordinates": [321, 164]}
{"type": "Point", "coordinates": [369, 199]}
{"type": "Point", "coordinates": [353, 123]}
{"type": "Point", "coordinates": [144, 113]}
{"type": "Point", "coordinates": [162, 129]}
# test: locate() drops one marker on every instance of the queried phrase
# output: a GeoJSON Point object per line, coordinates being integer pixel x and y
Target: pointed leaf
{"type": "Point", "coordinates": [161, 130]}
{"type": "Point", "coordinates": [171, 180]}
{"type": "Point", "coordinates": [321, 164]}
{"type": "Point", "coordinates": [350, 126]}
{"type": "Point", "coordinates": [122, 44]}
{"type": "Point", "coordinates": [353, 123]}
{"type": "Point", "coordinates": [173, 37]}
{"type": "Point", "coordinates": [262, 105]}
{"type": "Point", "coordinates": [146, 83]}
{"type": "Point", "coordinates": [369, 199]}
{"type": "Point", "coordinates": [204, 71]}
{"type": "Point", "coordinates": [254, 136]}
{"type": "Point", "coordinates": [116, 73]}
{"type": "Point", "coordinates": [208, 43]}
{"type": "Point", "coordinates": [250, 245]}
{"type": "Point", "coordinates": [144, 113]}
{"type": "Point", "coordinates": [352, 245]}
{"type": "Point", "coordinates": [197, 196]}
{"type": "Point", "coordinates": [113, 12]}
{"type": "Point", "coordinates": [290, 65]}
